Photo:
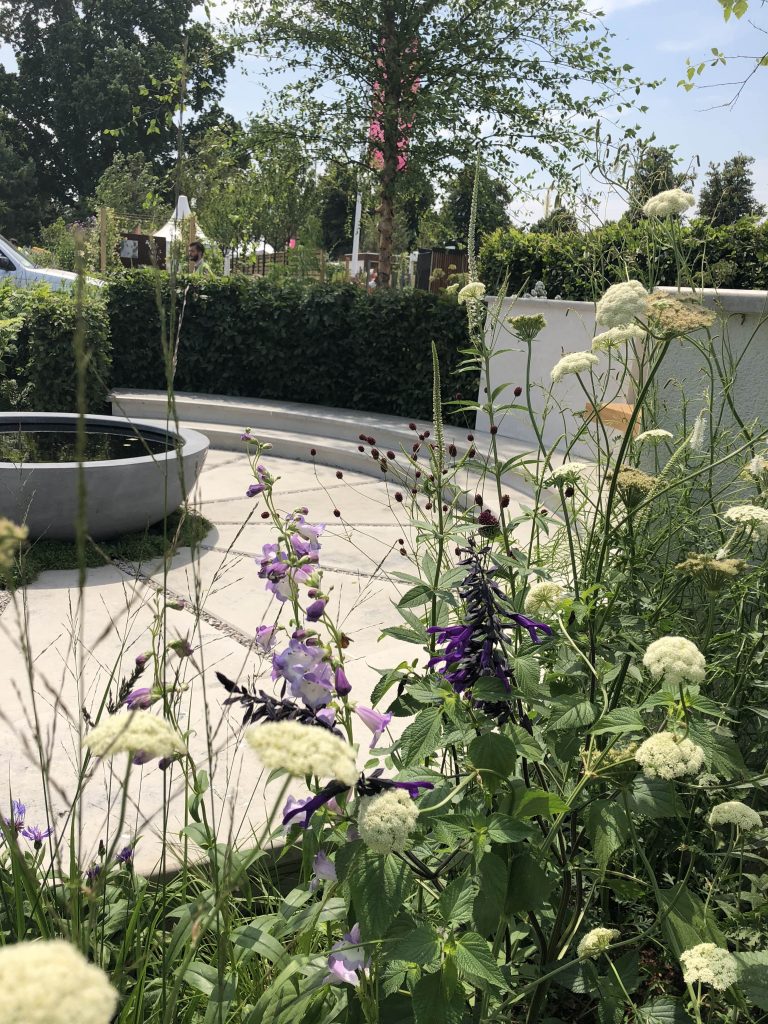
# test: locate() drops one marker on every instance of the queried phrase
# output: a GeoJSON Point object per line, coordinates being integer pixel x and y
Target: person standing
{"type": "Point", "coordinates": [373, 279]}
{"type": "Point", "coordinates": [196, 256]}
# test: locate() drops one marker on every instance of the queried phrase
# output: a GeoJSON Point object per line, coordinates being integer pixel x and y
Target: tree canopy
{"type": "Point", "coordinates": [422, 82]}
{"type": "Point", "coordinates": [100, 77]}
{"type": "Point", "coordinates": [728, 192]}
{"type": "Point", "coordinates": [656, 170]}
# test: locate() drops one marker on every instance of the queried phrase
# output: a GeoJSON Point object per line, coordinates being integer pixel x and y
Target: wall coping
{"type": "Point", "coordinates": [729, 300]}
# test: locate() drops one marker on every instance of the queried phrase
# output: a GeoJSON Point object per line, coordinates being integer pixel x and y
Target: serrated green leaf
{"type": "Point", "coordinates": [416, 596]}
{"type": "Point", "coordinates": [491, 688]}
{"type": "Point", "coordinates": [491, 898]}
{"type": "Point", "coordinates": [654, 798]}
{"type": "Point", "coordinates": [502, 828]}
{"type": "Point", "coordinates": [753, 977]}
{"type": "Point", "coordinates": [420, 738]}
{"type": "Point", "coordinates": [721, 752]}
{"type": "Point", "coordinates": [379, 887]}
{"type": "Point", "coordinates": [456, 901]}
{"type": "Point", "coordinates": [527, 674]}
{"type": "Point", "coordinates": [436, 999]}
{"type": "Point", "coordinates": [607, 828]}
{"type": "Point", "coordinates": [421, 946]}
{"type": "Point", "coordinates": [686, 922]}
{"type": "Point", "coordinates": [618, 721]}
{"type": "Point", "coordinates": [526, 745]}
{"type": "Point", "coordinates": [476, 962]}
{"type": "Point", "coordinates": [532, 803]}
{"type": "Point", "coordinates": [494, 755]}
{"type": "Point", "coordinates": [571, 714]}
{"type": "Point", "coordinates": [666, 1010]}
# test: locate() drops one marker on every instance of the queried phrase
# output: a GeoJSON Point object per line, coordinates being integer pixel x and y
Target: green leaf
{"type": "Point", "coordinates": [721, 752]}
{"type": "Point", "coordinates": [528, 886]}
{"type": "Point", "coordinates": [526, 745]}
{"type": "Point", "coordinates": [527, 674]}
{"type": "Point", "coordinates": [532, 803]}
{"type": "Point", "coordinates": [618, 721]}
{"type": "Point", "coordinates": [654, 798]}
{"type": "Point", "coordinates": [753, 977]}
{"type": "Point", "coordinates": [490, 902]}
{"type": "Point", "coordinates": [607, 827]}
{"type": "Point", "coordinates": [572, 713]}
{"type": "Point", "coordinates": [665, 1010]}
{"type": "Point", "coordinates": [416, 596]}
{"type": "Point", "coordinates": [378, 887]}
{"type": "Point", "coordinates": [686, 922]}
{"type": "Point", "coordinates": [494, 755]}
{"type": "Point", "coordinates": [258, 940]}
{"type": "Point", "coordinates": [436, 999]}
{"type": "Point", "coordinates": [502, 828]}
{"type": "Point", "coordinates": [476, 962]}
{"type": "Point", "coordinates": [456, 901]}
{"type": "Point", "coordinates": [420, 739]}
{"type": "Point", "coordinates": [491, 688]}
{"type": "Point", "coordinates": [410, 636]}
{"type": "Point", "coordinates": [420, 946]}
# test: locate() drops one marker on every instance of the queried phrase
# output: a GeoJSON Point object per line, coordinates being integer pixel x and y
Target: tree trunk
{"type": "Point", "coordinates": [386, 226]}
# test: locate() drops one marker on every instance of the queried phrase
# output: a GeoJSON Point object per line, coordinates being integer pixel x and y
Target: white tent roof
{"type": "Point", "coordinates": [172, 228]}
{"type": "Point", "coordinates": [261, 247]}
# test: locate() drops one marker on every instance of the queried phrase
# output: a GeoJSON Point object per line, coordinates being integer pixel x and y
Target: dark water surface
{"type": "Point", "coordinates": [58, 444]}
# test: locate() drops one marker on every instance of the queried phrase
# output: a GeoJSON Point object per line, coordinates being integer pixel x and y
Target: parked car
{"type": "Point", "coordinates": [20, 270]}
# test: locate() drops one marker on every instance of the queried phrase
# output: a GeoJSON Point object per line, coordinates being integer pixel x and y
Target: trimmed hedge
{"type": "Point", "coordinates": [322, 344]}
{"type": "Point", "coordinates": [581, 266]}
{"type": "Point", "coordinates": [39, 362]}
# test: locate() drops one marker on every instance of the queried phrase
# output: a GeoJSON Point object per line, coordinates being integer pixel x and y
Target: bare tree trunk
{"type": "Point", "coordinates": [386, 224]}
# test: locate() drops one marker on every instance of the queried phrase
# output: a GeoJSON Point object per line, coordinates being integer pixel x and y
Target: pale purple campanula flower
{"type": "Point", "coordinates": [266, 638]}
{"type": "Point", "coordinates": [347, 959]}
{"type": "Point", "coordinates": [308, 676]}
{"type": "Point", "coordinates": [327, 716]}
{"type": "Point", "coordinates": [315, 610]}
{"type": "Point", "coordinates": [375, 721]}
{"type": "Point", "coordinates": [343, 685]}
{"type": "Point", "coordinates": [139, 699]}
{"type": "Point", "coordinates": [324, 867]}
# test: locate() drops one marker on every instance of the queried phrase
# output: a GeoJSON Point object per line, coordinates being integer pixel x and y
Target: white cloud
{"type": "Point", "coordinates": [612, 6]}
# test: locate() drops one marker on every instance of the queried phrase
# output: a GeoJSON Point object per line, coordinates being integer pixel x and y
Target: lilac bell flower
{"type": "Point", "coordinates": [308, 531]}
{"type": "Point", "coordinates": [327, 716]}
{"type": "Point", "coordinates": [139, 699]}
{"type": "Point", "coordinates": [303, 548]}
{"type": "Point", "coordinates": [308, 676]}
{"type": "Point", "coordinates": [347, 960]}
{"type": "Point", "coordinates": [266, 638]}
{"type": "Point", "coordinates": [324, 868]}
{"type": "Point", "coordinates": [375, 721]}
{"type": "Point", "coordinates": [315, 610]}
{"type": "Point", "coordinates": [342, 684]}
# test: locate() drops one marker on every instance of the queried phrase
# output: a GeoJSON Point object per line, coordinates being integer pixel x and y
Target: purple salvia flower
{"type": "Point", "coordinates": [375, 721]}
{"type": "Point", "coordinates": [533, 627]}
{"type": "Point", "coordinates": [306, 808]}
{"type": "Point", "coordinates": [342, 684]}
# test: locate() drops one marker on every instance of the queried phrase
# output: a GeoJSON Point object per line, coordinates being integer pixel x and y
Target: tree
{"type": "Point", "coordinates": [728, 194]}
{"type": "Point", "coordinates": [421, 82]}
{"type": "Point", "coordinates": [756, 61]}
{"type": "Point", "coordinates": [22, 210]}
{"type": "Point", "coordinates": [493, 198]}
{"type": "Point", "coordinates": [131, 188]}
{"type": "Point", "coordinates": [559, 222]}
{"type": "Point", "coordinates": [98, 77]}
{"type": "Point", "coordinates": [656, 170]}
{"type": "Point", "coordinates": [336, 195]}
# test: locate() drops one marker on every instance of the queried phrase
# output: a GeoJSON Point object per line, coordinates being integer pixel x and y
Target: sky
{"type": "Point", "coordinates": [656, 37]}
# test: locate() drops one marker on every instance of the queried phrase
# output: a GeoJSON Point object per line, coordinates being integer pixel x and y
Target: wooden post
{"type": "Point", "coordinates": [103, 239]}
{"type": "Point", "coordinates": [191, 237]}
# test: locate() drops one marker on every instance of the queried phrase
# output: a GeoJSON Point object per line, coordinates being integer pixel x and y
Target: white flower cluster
{"type": "Point", "coordinates": [616, 336]}
{"type": "Point", "coordinates": [654, 435]}
{"type": "Point", "coordinates": [665, 756]}
{"type": "Point", "coordinates": [675, 660]}
{"type": "Point", "coordinates": [52, 983]}
{"type": "Point", "coordinates": [303, 750]}
{"type": "Point", "coordinates": [734, 812]}
{"type": "Point", "coordinates": [596, 941]}
{"type": "Point", "coordinates": [473, 290]}
{"type": "Point", "coordinates": [543, 598]}
{"type": "Point", "coordinates": [710, 965]}
{"type": "Point", "coordinates": [749, 516]}
{"type": "Point", "coordinates": [622, 304]}
{"type": "Point", "coordinates": [574, 362]}
{"type": "Point", "coordinates": [387, 820]}
{"type": "Point", "coordinates": [568, 473]}
{"type": "Point", "coordinates": [669, 203]}
{"type": "Point", "coordinates": [135, 732]}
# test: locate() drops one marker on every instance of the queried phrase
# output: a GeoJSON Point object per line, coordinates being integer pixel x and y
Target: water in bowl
{"type": "Point", "coordinates": [59, 444]}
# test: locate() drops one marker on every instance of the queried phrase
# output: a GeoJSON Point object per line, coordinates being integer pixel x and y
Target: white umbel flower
{"type": "Point", "coordinates": [543, 598]}
{"type": "Point", "coordinates": [473, 290]}
{"type": "Point", "coordinates": [654, 435]}
{"type": "Point", "coordinates": [669, 203]}
{"type": "Point", "coordinates": [664, 756]}
{"type": "Point", "coordinates": [303, 750]}
{"type": "Point", "coordinates": [616, 336]}
{"type": "Point", "coordinates": [52, 983]}
{"type": "Point", "coordinates": [710, 965]}
{"type": "Point", "coordinates": [387, 820]}
{"type": "Point", "coordinates": [749, 516]}
{"type": "Point", "coordinates": [597, 941]}
{"type": "Point", "coordinates": [135, 732]}
{"type": "Point", "coordinates": [568, 473]}
{"type": "Point", "coordinates": [622, 304]}
{"type": "Point", "coordinates": [734, 812]}
{"type": "Point", "coordinates": [675, 660]}
{"type": "Point", "coordinates": [574, 362]}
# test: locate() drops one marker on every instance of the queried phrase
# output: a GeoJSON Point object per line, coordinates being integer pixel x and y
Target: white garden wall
{"type": "Point", "coordinates": [742, 339]}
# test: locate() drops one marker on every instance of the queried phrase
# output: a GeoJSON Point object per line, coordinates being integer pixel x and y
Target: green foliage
{"type": "Point", "coordinates": [656, 170]}
{"type": "Point", "coordinates": [131, 188]}
{"type": "Point", "coordinates": [40, 367]}
{"type": "Point", "coordinates": [22, 206]}
{"type": "Point", "coordinates": [582, 266]}
{"type": "Point", "coordinates": [326, 345]}
{"type": "Point", "coordinates": [492, 201]}
{"type": "Point", "coordinates": [728, 193]}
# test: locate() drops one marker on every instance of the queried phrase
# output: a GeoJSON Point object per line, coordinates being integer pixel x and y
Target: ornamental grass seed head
{"type": "Point", "coordinates": [597, 941]}
{"type": "Point", "coordinates": [616, 336]}
{"type": "Point", "coordinates": [675, 659]}
{"type": "Point", "coordinates": [135, 732]}
{"type": "Point", "coordinates": [622, 304]}
{"type": "Point", "coordinates": [666, 756]}
{"type": "Point", "coordinates": [574, 362]}
{"type": "Point", "coordinates": [709, 965]}
{"type": "Point", "coordinates": [749, 517]}
{"type": "Point", "coordinates": [51, 982]}
{"type": "Point", "coordinates": [669, 204]}
{"type": "Point", "coordinates": [734, 812]}
{"type": "Point", "coordinates": [302, 750]}
{"type": "Point", "coordinates": [387, 821]}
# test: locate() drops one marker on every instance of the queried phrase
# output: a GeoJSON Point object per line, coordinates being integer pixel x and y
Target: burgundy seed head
{"type": "Point", "coordinates": [339, 474]}
{"type": "Point", "coordinates": [426, 433]}
{"type": "Point", "coordinates": [411, 426]}
{"type": "Point", "coordinates": [422, 437]}
{"type": "Point", "coordinates": [383, 465]}
{"type": "Point", "coordinates": [337, 513]}
{"type": "Point", "coordinates": [265, 515]}
{"type": "Point", "coordinates": [398, 496]}
{"type": "Point", "coordinates": [415, 490]}
{"type": "Point", "coordinates": [487, 518]}
{"type": "Point", "coordinates": [313, 452]}
{"type": "Point", "coordinates": [518, 391]}
{"type": "Point", "coordinates": [428, 506]}
{"type": "Point", "coordinates": [569, 491]}
{"type": "Point", "coordinates": [416, 447]}
{"type": "Point", "coordinates": [360, 448]}
{"type": "Point", "coordinates": [445, 508]}
{"type": "Point", "coordinates": [361, 437]}
{"type": "Point", "coordinates": [375, 452]}
{"type": "Point", "coordinates": [431, 478]}
{"type": "Point", "coordinates": [478, 499]}
{"type": "Point", "coordinates": [453, 450]}
{"type": "Point", "coordinates": [371, 440]}
{"type": "Point", "coordinates": [494, 430]}
{"type": "Point", "coordinates": [470, 437]}
{"type": "Point", "coordinates": [472, 453]}
{"type": "Point", "coordinates": [402, 551]}
{"type": "Point", "coordinates": [390, 455]}
{"type": "Point", "coordinates": [505, 501]}
{"type": "Point", "coordinates": [417, 474]}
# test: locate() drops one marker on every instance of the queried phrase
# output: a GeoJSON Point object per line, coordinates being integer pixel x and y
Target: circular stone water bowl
{"type": "Point", "coordinates": [135, 472]}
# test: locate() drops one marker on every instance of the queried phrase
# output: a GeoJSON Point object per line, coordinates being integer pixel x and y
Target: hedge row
{"type": "Point", "coordinates": [580, 266]}
{"type": "Point", "coordinates": [37, 354]}
{"type": "Point", "coordinates": [321, 344]}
